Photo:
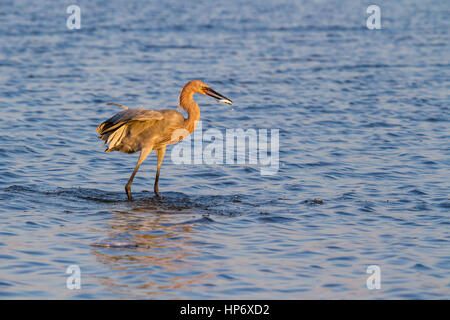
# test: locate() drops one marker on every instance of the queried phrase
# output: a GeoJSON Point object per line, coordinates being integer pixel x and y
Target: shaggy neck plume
{"type": "Point", "coordinates": [187, 103]}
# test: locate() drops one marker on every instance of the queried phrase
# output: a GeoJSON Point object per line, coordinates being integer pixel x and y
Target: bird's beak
{"type": "Point", "coordinates": [217, 96]}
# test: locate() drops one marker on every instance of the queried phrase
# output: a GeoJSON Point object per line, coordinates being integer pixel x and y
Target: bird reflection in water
{"type": "Point", "coordinates": [151, 248]}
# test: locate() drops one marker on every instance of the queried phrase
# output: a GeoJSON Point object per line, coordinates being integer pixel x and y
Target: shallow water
{"type": "Point", "coordinates": [364, 153]}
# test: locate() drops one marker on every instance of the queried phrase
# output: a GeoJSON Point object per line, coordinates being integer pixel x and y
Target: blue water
{"type": "Point", "coordinates": [364, 152]}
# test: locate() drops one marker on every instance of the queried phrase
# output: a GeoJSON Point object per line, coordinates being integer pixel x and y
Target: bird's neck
{"type": "Point", "coordinates": [187, 103]}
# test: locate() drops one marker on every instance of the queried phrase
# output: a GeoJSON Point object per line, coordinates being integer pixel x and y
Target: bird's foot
{"type": "Point", "coordinates": [128, 191]}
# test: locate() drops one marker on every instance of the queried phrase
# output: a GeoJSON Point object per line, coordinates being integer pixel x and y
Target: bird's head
{"type": "Point", "coordinates": [198, 86]}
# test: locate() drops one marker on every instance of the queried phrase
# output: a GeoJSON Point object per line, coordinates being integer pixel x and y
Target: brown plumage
{"type": "Point", "coordinates": [134, 130]}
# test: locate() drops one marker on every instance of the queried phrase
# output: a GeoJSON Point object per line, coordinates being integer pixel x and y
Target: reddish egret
{"type": "Point", "coordinates": [142, 130]}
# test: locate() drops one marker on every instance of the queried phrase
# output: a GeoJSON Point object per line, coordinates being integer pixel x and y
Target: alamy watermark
{"type": "Point", "coordinates": [73, 281]}
{"type": "Point", "coordinates": [233, 146]}
{"type": "Point", "coordinates": [374, 280]}
{"type": "Point", "coordinates": [374, 20]}
{"type": "Point", "coordinates": [74, 20]}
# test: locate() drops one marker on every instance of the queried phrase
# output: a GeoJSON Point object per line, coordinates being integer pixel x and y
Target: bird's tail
{"type": "Point", "coordinates": [114, 138]}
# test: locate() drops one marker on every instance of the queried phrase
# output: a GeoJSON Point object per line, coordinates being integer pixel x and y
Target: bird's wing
{"type": "Point", "coordinates": [128, 115]}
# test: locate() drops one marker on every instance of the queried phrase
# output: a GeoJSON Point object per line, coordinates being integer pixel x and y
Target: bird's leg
{"type": "Point", "coordinates": [160, 155]}
{"type": "Point", "coordinates": [144, 154]}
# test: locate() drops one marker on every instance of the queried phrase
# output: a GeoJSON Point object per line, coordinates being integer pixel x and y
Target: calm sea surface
{"type": "Point", "coordinates": [364, 150]}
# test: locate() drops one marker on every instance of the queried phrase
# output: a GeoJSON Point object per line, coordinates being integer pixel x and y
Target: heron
{"type": "Point", "coordinates": [137, 129]}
